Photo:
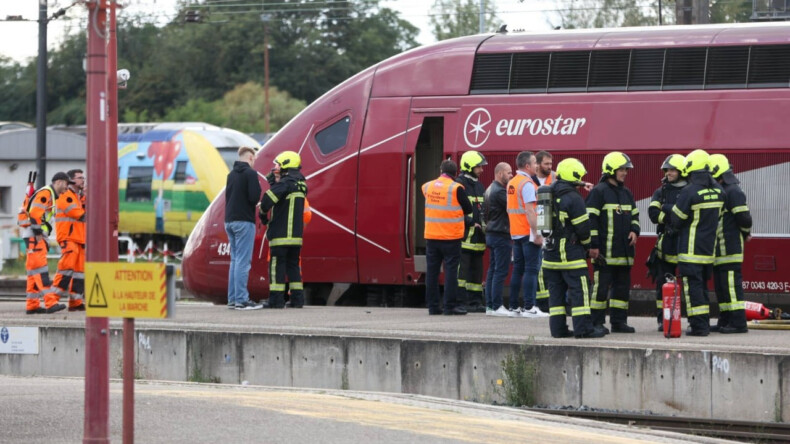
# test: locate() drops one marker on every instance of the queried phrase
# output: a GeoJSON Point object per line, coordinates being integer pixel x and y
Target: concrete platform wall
{"type": "Point", "coordinates": [746, 386]}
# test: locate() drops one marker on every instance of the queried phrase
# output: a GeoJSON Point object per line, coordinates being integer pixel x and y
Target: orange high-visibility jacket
{"type": "Point", "coordinates": [70, 218]}
{"type": "Point", "coordinates": [516, 207]}
{"type": "Point", "coordinates": [444, 217]}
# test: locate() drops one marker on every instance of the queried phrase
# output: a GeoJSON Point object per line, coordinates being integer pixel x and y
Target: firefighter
{"type": "Point", "coordinates": [40, 209]}
{"type": "Point", "coordinates": [446, 207]}
{"type": "Point", "coordinates": [734, 228]}
{"type": "Point", "coordinates": [615, 227]}
{"type": "Point", "coordinates": [286, 199]}
{"type": "Point", "coordinates": [473, 246]}
{"type": "Point", "coordinates": [664, 258]}
{"type": "Point", "coordinates": [70, 229]}
{"type": "Point", "coordinates": [543, 176]}
{"type": "Point", "coordinates": [564, 255]}
{"type": "Point", "coordinates": [695, 216]}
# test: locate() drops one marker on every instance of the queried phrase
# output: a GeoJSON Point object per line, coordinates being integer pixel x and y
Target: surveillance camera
{"type": "Point", "coordinates": [123, 77]}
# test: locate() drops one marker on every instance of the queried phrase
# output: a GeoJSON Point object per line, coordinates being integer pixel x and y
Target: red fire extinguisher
{"type": "Point", "coordinates": [756, 310]}
{"type": "Point", "coordinates": [670, 295]}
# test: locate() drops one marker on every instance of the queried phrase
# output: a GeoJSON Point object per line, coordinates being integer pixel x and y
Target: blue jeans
{"type": "Point", "coordinates": [499, 246]}
{"type": "Point", "coordinates": [241, 236]}
{"type": "Point", "coordinates": [436, 252]}
{"type": "Point", "coordinates": [526, 264]}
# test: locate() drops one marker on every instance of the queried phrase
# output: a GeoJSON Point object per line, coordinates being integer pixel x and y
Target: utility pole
{"type": "Point", "coordinates": [265, 18]}
{"type": "Point", "coordinates": [482, 16]}
{"type": "Point", "coordinates": [41, 96]}
{"type": "Point", "coordinates": [660, 18]}
{"type": "Point", "coordinates": [99, 235]}
{"type": "Point", "coordinates": [692, 12]}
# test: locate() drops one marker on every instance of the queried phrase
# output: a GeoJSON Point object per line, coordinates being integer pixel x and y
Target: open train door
{"type": "Point", "coordinates": [431, 145]}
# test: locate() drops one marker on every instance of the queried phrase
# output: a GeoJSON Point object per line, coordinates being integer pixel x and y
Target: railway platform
{"type": "Point", "coordinates": [398, 350]}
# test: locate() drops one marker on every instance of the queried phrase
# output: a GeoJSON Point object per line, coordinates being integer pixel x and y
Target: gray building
{"type": "Point", "coordinates": [65, 151]}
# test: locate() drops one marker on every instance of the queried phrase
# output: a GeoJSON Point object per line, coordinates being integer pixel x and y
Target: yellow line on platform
{"type": "Point", "coordinates": [393, 416]}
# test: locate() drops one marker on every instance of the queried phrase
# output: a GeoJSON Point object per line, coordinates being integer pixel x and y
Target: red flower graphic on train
{"type": "Point", "coordinates": [164, 155]}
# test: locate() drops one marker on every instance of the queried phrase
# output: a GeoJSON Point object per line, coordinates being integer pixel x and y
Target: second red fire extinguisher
{"type": "Point", "coordinates": [670, 295]}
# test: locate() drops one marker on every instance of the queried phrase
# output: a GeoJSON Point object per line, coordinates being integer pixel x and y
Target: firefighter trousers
{"type": "Point", "coordinates": [542, 295]}
{"type": "Point", "coordinates": [618, 279]}
{"type": "Point", "coordinates": [470, 279]}
{"type": "Point", "coordinates": [285, 261]}
{"type": "Point", "coordinates": [575, 284]}
{"type": "Point", "coordinates": [662, 268]}
{"type": "Point", "coordinates": [728, 283]}
{"type": "Point", "coordinates": [38, 283]}
{"type": "Point", "coordinates": [695, 286]}
{"type": "Point", "coordinates": [70, 277]}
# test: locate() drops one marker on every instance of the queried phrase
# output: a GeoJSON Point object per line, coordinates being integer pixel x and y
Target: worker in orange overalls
{"type": "Point", "coordinates": [39, 210]}
{"type": "Point", "coordinates": [70, 229]}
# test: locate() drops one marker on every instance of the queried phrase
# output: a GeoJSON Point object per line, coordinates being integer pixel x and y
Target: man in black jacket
{"type": "Point", "coordinates": [735, 227]}
{"type": "Point", "coordinates": [242, 192]}
{"type": "Point", "coordinates": [497, 239]}
{"type": "Point", "coordinates": [286, 199]}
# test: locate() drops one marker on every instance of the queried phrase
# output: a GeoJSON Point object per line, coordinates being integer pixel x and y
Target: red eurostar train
{"type": "Point", "coordinates": [368, 144]}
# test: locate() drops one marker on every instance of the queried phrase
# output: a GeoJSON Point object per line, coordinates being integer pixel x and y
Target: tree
{"type": "Point", "coordinates": [730, 11]}
{"type": "Point", "coordinates": [243, 108]}
{"type": "Point", "coordinates": [456, 18]}
{"type": "Point", "coordinates": [581, 14]}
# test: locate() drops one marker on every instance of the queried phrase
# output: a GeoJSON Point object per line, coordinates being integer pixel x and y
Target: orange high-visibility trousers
{"type": "Point", "coordinates": [70, 277]}
{"type": "Point", "coordinates": [38, 283]}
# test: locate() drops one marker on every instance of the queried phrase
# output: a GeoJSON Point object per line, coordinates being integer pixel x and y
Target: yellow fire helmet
{"type": "Point", "coordinates": [571, 170]}
{"type": "Point", "coordinates": [288, 159]}
{"type": "Point", "coordinates": [472, 159]}
{"type": "Point", "coordinates": [614, 161]}
{"type": "Point", "coordinates": [676, 161]}
{"type": "Point", "coordinates": [697, 160]}
{"type": "Point", "coordinates": [719, 165]}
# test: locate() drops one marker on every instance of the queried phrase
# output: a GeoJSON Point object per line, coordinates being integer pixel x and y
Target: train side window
{"type": "Point", "coordinates": [333, 137]}
{"type": "Point", "coordinates": [138, 184]}
{"type": "Point", "coordinates": [181, 172]}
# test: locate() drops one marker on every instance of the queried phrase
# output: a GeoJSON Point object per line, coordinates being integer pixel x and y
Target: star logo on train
{"type": "Point", "coordinates": [475, 132]}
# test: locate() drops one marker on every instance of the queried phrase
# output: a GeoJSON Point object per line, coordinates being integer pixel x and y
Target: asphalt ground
{"type": "Point", "coordinates": [406, 323]}
{"type": "Point", "coordinates": [50, 410]}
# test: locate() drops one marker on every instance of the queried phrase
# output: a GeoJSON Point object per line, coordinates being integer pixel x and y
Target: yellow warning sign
{"type": "Point", "coordinates": [123, 290]}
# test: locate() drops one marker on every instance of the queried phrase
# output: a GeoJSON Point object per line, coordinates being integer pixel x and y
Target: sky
{"type": "Point", "coordinates": [19, 40]}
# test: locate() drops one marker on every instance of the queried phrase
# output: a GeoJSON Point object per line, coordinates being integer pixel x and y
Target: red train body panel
{"type": "Point", "coordinates": [368, 144]}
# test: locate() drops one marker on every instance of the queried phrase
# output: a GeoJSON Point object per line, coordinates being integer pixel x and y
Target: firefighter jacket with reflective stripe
{"type": "Point", "coordinates": [734, 225]}
{"type": "Point", "coordinates": [446, 205]}
{"type": "Point", "coordinates": [516, 207]}
{"type": "Point", "coordinates": [474, 238]}
{"type": "Point", "coordinates": [40, 209]}
{"type": "Point", "coordinates": [696, 217]}
{"type": "Point", "coordinates": [613, 216]}
{"type": "Point", "coordinates": [286, 200]}
{"type": "Point", "coordinates": [69, 218]}
{"type": "Point", "coordinates": [495, 209]}
{"type": "Point", "coordinates": [566, 248]}
{"type": "Point", "coordinates": [660, 208]}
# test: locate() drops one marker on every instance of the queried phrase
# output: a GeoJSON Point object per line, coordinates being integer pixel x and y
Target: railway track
{"type": "Point", "coordinates": [747, 431]}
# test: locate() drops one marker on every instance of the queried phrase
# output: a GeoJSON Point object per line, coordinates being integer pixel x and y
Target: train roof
{"type": "Point", "coordinates": [445, 68]}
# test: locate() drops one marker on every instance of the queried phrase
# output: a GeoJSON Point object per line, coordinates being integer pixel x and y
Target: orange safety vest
{"type": "Point", "coordinates": [444, 218]}
{"type": "Point", "coordinates": [516, 207]}
{"type": "Point", "coordinates": [40, 208]}
{"type": "Point", "coordinates": [69, 221]}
